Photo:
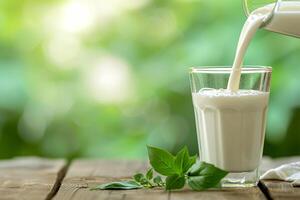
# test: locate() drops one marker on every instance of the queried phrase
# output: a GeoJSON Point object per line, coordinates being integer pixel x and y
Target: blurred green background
{"type": "Point", "coordinates": [103, 78]}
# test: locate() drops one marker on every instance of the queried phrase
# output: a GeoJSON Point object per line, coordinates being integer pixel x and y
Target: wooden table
{"type": "Point", "coordinates": [39, 178]}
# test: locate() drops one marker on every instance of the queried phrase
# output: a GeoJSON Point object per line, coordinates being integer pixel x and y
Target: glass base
{"type": "Point", "coordinates": [241, 179]}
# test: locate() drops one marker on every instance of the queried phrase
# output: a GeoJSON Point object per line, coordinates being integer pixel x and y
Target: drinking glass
{"type": "Point", "coordinates": [230, 128]}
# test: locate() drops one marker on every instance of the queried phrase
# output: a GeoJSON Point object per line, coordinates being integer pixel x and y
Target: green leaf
{"type": "Point", "coordinates": [145, 182]}
{"type": "Point", "coordinates": [149, 174]}
{"type": "Point", "coordinates": [202, 182]}
{"type": "Point", "coordinates": [196, 168]}
{"type": "Point", "coordinates": [162, 161]}
{"type": "Point", "coordinates": [182, 161]}
{"type": "Point", "coordinates": [120, 185]}
{"type": "Point", "coordinates": [204, 175]}
{"type": "Point", "coordinates": [158, 181]}
{"type": "Point", "coordinates": [203, 168]}
{"type": "Point", "coordinates": [175, 182]}
{"type": "Point", "coordinates": [138, 177]}
{"type": "Point", "coordinates": [192, 160]}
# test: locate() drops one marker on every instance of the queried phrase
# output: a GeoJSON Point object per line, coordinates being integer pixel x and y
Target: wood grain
{"type": "Point", "coordinates": [29, 178]}
{"type": "Point", "coordinates": [279, 189]}
{"type": "Point", "coordinates": [35, 178]}
{"type": "Point", "coordinates": [83, 174]}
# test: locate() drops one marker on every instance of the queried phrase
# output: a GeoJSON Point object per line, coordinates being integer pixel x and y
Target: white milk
{"type": "Point", "coordinates": [232, 127]}
{"type": "Point", "coordinates": [249, 29]}
{"type": "Point", "coordinates": [285, 19]}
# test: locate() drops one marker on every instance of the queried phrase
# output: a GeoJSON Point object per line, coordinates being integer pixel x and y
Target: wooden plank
{"type": "Point", "coordinates": [83, 174]}
{"type": "Point", "coordinates": [279, 189]}
{"type": "Point", "coordinates": [30, 178]}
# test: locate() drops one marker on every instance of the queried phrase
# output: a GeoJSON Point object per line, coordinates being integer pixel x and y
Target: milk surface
{"type": "Point", "coordinates": [231, 127]}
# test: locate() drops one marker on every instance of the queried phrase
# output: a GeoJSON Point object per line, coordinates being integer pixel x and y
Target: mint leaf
{"type": "Point", "coordinates": [158, 181]}
{"type": "Point", "coordinates": [149, 174]}
{"type": "Point", "coordinates": [175, 182]}
{"type": "Point", "coordinates": [204, 175]}
{"type": "Point", "coordinates": [162, 161]}
{"type": "Point", "coordinates": [120, 185]}
{"type": "Point", "coordinates": [196, 168]}
{"type": "Point", "coordinates": [192, 160]}
{"type": "Point", "coordinates": [182, 161]}
{"type": "Point", "coordinates": [138, 177]}
{"type": "Point", "coordinates": [203, 168]}
{"type": "Point", "coordinates": [202, 182]}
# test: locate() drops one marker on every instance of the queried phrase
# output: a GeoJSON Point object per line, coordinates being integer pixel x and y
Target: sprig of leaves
{"type": "Point", "coordinates": [183, 168]}
{"type": "Point", "coordinates": [166, 164]}
{"type": "Point", "coordinates": [147, 180]}
{"type": "Point", "coordinates": [178, 170]}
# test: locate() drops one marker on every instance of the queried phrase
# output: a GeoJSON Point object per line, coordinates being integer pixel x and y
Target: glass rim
{"type": "Point", "coordinates": [228, 69]}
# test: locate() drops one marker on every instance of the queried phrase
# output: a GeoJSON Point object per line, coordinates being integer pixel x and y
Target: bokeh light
{"type": "Point", "coordinates": [103, 78]}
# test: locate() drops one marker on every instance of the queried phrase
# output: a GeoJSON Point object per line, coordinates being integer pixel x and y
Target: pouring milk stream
{"type": "Point", "coordinates": [283, 17]}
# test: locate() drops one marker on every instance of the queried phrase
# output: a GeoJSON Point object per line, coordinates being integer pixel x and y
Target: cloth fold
{"type": "Point", "coordinates": [287, 172]}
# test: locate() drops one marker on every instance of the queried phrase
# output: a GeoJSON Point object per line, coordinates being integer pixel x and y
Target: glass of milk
{"type": "Point", "coordinates": [231, 125]}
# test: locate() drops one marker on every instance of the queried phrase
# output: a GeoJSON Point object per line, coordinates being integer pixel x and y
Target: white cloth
{"type": "Point", "coordinates": [287, 172]}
